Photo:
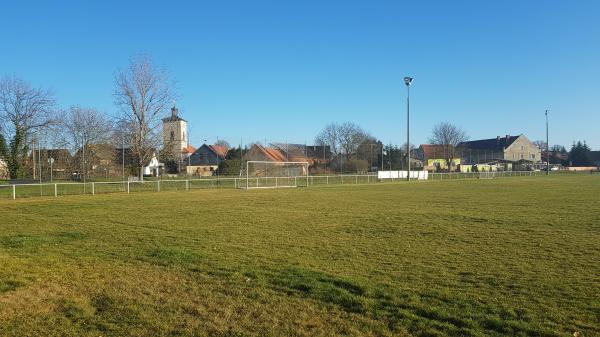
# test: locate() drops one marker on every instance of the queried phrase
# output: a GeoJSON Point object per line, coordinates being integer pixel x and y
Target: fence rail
{"type": "Point", "coordinates": [16, 191]}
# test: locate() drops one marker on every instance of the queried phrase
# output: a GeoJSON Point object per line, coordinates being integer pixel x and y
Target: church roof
{"type": "Point", "coordinates": [174, 116]}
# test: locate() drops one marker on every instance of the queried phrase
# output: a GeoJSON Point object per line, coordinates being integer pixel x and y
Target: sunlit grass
{"type": "Point", "coordinates": [515, 256]}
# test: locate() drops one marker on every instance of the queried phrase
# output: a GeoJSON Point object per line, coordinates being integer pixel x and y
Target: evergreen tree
{"type": "Point", "coordinates": [580, 154]}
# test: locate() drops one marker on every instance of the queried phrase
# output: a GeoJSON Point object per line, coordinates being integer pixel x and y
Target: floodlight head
{"type": "Point", "coordinates": [408, 81]}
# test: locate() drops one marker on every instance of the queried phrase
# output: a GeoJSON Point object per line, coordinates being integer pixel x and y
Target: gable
{"type": "Point", "coordinates": [522, 141]}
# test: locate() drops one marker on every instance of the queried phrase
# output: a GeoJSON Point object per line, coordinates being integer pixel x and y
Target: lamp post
{"type": "Point", "coordinates": [371, 157]}
{"type": "Point", "coordinates": [408, 82]}
{"type": "Point", "coordinates": [547, 147]}
{"type": "Point", "coordinates": [123, 156]}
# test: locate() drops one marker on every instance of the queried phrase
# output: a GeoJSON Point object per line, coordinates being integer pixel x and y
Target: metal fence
{"type": "Point", "coordinates": [16, 191]}
{"type": "Point", "coordinates": [484, 175]}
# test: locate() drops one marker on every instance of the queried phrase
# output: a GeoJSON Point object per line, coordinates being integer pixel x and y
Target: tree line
{"type": "Point", "coordinates": [142, 93]}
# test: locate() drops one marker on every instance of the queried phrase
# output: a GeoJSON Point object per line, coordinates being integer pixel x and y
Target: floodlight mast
{"type": "Point", "coordinates": [408, 82]}
{"type": "Point", "coordinates": [547, 147]}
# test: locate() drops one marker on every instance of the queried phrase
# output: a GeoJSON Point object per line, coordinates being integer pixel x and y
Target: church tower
{"type": "Point", "coordinates": [175, 132]}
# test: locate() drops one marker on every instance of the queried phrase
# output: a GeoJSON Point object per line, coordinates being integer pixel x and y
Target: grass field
{"type": "Point", "coordinates": [514, 256]}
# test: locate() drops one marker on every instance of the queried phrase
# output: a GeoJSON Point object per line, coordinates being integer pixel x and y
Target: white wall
{"type": "Point", "coordinates": [419, 175]}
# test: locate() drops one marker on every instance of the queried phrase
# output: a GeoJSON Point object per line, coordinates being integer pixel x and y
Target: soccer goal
{"type": "Point", "coordinates": [268, 174]}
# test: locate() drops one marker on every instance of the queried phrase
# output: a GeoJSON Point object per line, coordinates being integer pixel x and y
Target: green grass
{"type": "Point", "coordinates": [514, 256]}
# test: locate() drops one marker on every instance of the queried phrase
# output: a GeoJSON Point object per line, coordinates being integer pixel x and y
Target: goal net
{"type": "Point", "coordinates": [267, 174]}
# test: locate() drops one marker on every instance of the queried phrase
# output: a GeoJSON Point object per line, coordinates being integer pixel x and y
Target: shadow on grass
{"type": "Point", "coordinates": [174, 256]}
{"type": "Point", "coordinates": [423, 314]}
{"type": "Point", "coordinates": [33, 242]}
{"type": "Point", "coordinates": [9, 285]}
{"type": "Point", "coordinates": [346, 294]}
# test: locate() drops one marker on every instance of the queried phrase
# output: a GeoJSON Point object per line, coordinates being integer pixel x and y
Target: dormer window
{"type": "Point", "coordinates": [172, 135]}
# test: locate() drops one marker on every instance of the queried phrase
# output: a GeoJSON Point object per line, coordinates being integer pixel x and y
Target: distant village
{"type": "Point", "coordinates": [501, 153]}
{"type": "Point", "coordinates": [40, 141]}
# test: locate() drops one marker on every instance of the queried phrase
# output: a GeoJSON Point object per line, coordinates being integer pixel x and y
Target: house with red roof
{"type": "Point", "coordinates": [205, 160]}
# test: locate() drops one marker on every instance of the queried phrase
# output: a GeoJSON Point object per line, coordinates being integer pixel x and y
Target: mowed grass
{"type": "Point", "coordinates": [514, 256]}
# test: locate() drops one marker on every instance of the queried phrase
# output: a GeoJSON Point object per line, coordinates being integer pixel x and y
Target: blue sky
{"type": "Point", "coordinates": [281, 70]}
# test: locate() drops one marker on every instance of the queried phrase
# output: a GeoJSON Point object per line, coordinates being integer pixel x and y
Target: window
{"type": "Point", "coordinates": [172, 135]}
{"type": "Point", "coordinates": [533, 156]}
{"type": "Point", "coordinates": [522, 147]}
{"type": "Point", "coordinates": [522, 156]}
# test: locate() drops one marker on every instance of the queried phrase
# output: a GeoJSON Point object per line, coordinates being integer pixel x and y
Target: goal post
{"type": "Point", "coordinates": [272, 174]}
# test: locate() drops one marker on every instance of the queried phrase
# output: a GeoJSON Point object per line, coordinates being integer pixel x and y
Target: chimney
{"type": "Point", "coordinates": [497, 139]}
{"type": "Point", "coordinates": [174, 111]}
{"type": "Point", "coordinates": [507, 137]}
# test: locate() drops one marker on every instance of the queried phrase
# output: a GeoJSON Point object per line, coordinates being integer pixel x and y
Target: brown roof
{"type": "Point", "coordinates": [259, 152]}
{"type": "Point", "coordinates": [275, 154]}
{"type": "Point", "coordinates": [220, 150]}
{"type": "Point", "coordinates": [432, 151]}
{"type": "Point", "coordinates": [189, 149]}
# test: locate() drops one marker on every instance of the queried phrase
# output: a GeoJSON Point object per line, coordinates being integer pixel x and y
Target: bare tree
{"type": "Point", "coordinates": [448, 137]}
{"type": "Point", "coordinates": [86, 126]}
{"type": "Point", "coordinates": [23, 110]}
{"type": "Point", "coordinates": [344, 141]}
{"type": "Point", "coordinates": [224, 143]}
{"type": "Point", "coordinates": [329, 136]}
{"type": "Point", "coordinates": [143, 92]}
{"type": "Point", "coordinates": [86, 130]}
{"type": "Point", "coordinates": [541, 144]}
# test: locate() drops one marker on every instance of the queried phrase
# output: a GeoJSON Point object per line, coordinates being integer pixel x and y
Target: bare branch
{"type": "Point", "coordinates": [143, 92]}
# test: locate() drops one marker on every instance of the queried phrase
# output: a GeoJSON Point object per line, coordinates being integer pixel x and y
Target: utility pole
{"type": "Point", "coordinates": [382, 152]}
{"type": "Point", "coordinates": [33, 155]}
{"type": "Point", "coordinates": [40, 158]}
{"type": "Point", "coordinates": [51, 161]}
{"type": "Point", "coordinates": [408, 82]}
{"type": "Point", "coordinates": [83, 155]}
{"type": "Point", "coordinates": [547, 147]}
{"type": "Point", "coordinates": [123, 156]}
{"type": "Point", "coordinates": [217, 153]}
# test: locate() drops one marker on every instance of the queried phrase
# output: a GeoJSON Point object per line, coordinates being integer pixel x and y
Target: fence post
{"type": "Point", "coordinates": [327, 180]}
{"type": "Point", "coordinates": [14, 192]}
{"type": "Point", "coordinates": [187, 185]}
{"type": "Point", "coordinates": [356, 180]}
{"type": "Point", "coordinates": [127, 186]}
{"type": "Point", "coordinates": [276, 184]}
{"type": "Point", "coordinates": [55, 191]}
{"type": "Point", "coordinates": [158, 186]}
{"type": "Point", "coordinates": [93, 188]}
